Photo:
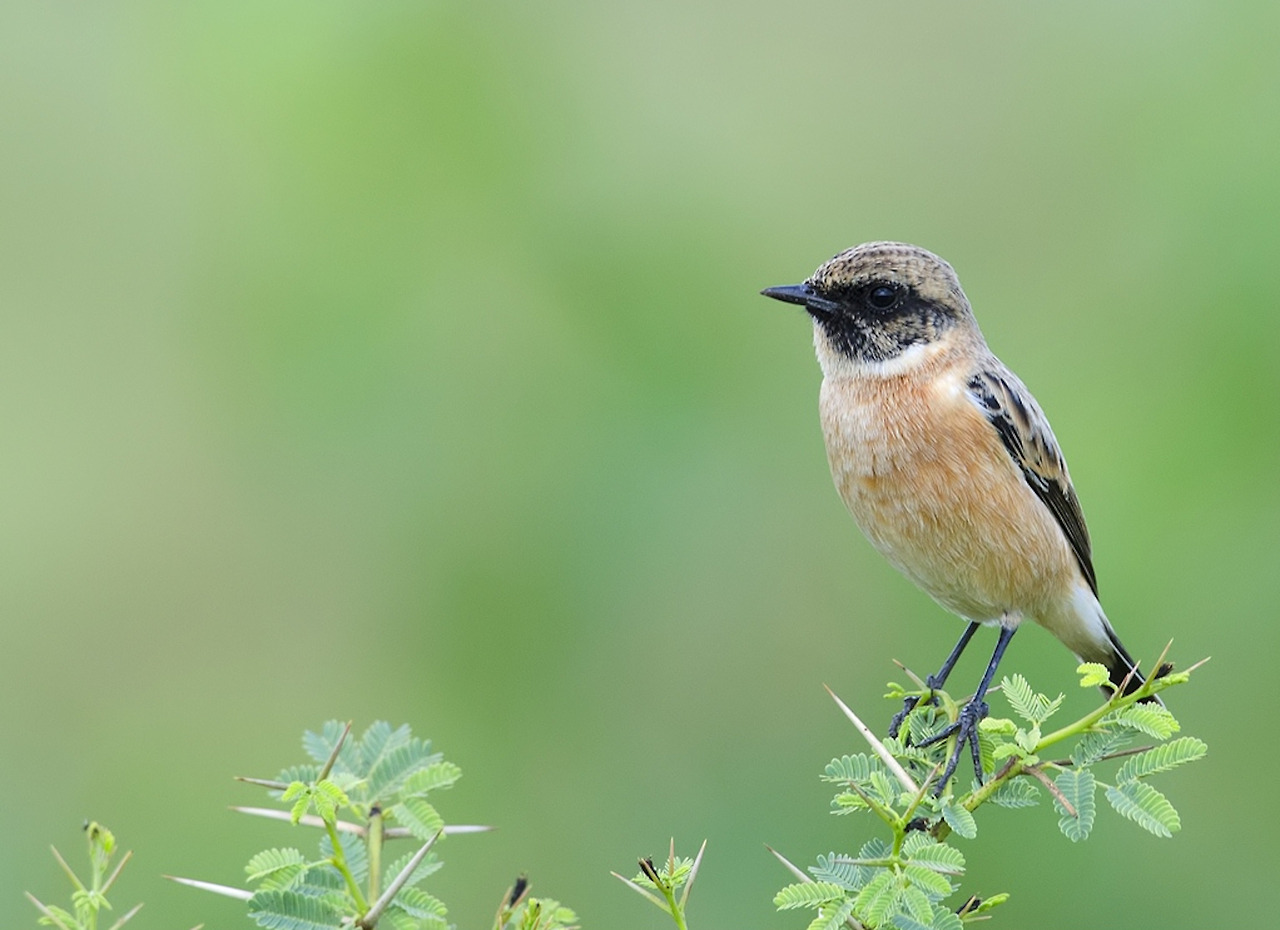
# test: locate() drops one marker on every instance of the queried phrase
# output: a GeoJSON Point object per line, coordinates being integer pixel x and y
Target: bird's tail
{"type": "Point", "coordinates": [1083, 627]}
{"type": "Point", "coordinates": [1122, 668]}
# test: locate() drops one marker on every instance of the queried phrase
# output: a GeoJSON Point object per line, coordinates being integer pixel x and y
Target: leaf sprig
{"type": "Point", "coordinates": [88, 899]}
{"type": "Point", "coordinates": [380, 782]}
{"type": "Point", "coordinates": [666, 879]}
{"type": "Point", "coordinates": [905, 880]}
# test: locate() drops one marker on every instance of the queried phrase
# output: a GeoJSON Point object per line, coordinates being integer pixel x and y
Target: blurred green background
{"type": "Point", "coordinates": [405, 360]}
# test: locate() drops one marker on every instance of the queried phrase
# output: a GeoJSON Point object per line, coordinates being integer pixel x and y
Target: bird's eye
{"type": "Point", "coordinates": [882, 297]}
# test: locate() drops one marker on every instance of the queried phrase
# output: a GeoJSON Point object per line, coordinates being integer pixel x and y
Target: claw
{"type": "Point", "coordinates": [933, 682]}
{"type": "Point", "coordinates": [900, 717]}
{"type": "Point", "coordinates": [965, 730]}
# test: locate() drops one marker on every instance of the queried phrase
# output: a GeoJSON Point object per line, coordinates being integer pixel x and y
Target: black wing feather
{"type": "Point", "coordinates": [1031, 444]}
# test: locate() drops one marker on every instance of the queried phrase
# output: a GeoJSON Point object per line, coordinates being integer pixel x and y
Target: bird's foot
{"type": "Point", "coordinates": [965, 730]}
{"type": "Point", "coordinates": [908, 705]}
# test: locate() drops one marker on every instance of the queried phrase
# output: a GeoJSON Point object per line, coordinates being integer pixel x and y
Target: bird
{"type": "Point", "coordinates": [949, 466]}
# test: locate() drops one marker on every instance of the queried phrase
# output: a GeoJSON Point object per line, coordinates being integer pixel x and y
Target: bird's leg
{"type": "Point", "coordinates": [966, 726]}
{"type": "Point", "coordinates": [933, 681]}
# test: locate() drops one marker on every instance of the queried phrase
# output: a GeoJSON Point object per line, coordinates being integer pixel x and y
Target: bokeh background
{"type": "Point", "coordinates": [404, 360]}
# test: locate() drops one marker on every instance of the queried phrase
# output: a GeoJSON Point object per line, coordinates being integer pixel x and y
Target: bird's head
{"type": "Point", "coordinates": [874, 302]}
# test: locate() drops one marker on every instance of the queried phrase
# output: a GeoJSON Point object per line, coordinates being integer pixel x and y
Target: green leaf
{"type": "Point", "coordinates": [417, 903]}
{"type": "Point", "coordinates": [62, 914]}
{"type": "Point", "coordinates": [840, 870]}
{"type": "Point", "coordinates": [379, 740]}
{"type": "Point", "coordinates": [987, 904]}
{"type": "Point", "coordinates": [882, 787]}
{"type": "Point", "coordinates": [877, 899]}
{"type": "Point", "coordinates": [1162, 758]}
{"type": "Point", "coordinates": [914, 841]}
{"type": "Point", "coordinates": [428, 866]}
{"type": "Point", "coordinates": [1146, 807]}
{"type": "Point", "coordinates": [304, 774]}
{"type": "Point", "coordinates": [1005, 750]}
{"type": "Point", "coordinates": [544, 914]}
{"type": "Point", "coordinates": [1077, 786]}
{"type": "Point", "coordinates": [1020, 695]}
{"type": "Point", "coordinates": [275, 868]}
{"type": "Point", "coordinates": [1151, 719]}
{"type": "Point", "coordinates": [1026, 703]}
{"type": "Point", "coordinates": [944, 919]}
{"type": "Point", "coordinates": [419, 817]}
{"type": "Point", "coordinates": [562, 915]}
{"type": "Point", "coordinates": [829, 918]}
{"type": "Point", "coordinates": [935, 885]}
{"type": "Point", "coordinates": [325, 808]}
{"type": "Point", "coordinates": [434, 777]}
{"type": "Point", "coordinates": [299, 808]}
{"type": "Point", "coordinates": [398, 920]}
{"type": "Point", "coordinates": [847, 803]}
{"type": "Point", "coordinates": [289, 910]}
{"type": "Point", "coordinates": [917, 904]}
{"type": "Point", "coordinates": [807, 894]}
{"type": "Point", "coordinates": [875, 848]}
{"type": "Point", "coordinates": [933, 855]}
{"type": "Point", "coordinates": [335, 794]}
{"type": "Point", "coordinates": [940, 919]}
{"type": "Point", "coordinates": [1016, 792]}
{"type": "Point", "coordinates": [319, 746]}
{"type": "Point", "coordinates": [925, 723]}
{"type": "Point", "coordinates": [394, 766]}
{"type": "Point", "coordinates": [1098, 743]}
{"type": "Point", "coordinates": [855, 768]}
{"type": "Point", "coordinates": [998, 726]}
{"type": "Point", "coordinates": [323, 878]}
{"type": "Point", "coordinates": [959, 819]}
{"type": "Point", "coordinates": [1027, 740]}
{"type": "Point", "coordinates": [1093, 675]}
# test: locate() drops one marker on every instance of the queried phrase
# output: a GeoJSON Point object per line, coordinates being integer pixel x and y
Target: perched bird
{"type": "Point", "coordinates": [948, 464]}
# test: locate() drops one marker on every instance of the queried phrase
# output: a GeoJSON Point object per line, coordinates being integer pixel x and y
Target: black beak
{"type": "Point", "coordinates": [790, 293]}
{"type": "Point", "coordinates": [805, 296]}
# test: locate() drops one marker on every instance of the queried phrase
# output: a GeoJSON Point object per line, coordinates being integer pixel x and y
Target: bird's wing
{"type": "Point", "coordinates": [1026, 435]}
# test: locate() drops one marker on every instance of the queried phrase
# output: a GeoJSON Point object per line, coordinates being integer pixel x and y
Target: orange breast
{"type": "Point", "coordinates": [928, 480]}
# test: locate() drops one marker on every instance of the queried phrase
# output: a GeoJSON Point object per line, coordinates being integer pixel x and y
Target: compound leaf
{"type": "Point", "coordinates": [1093, 675]}
{"type": "Point", "coordinates": [935, 885]}
{"type": "Point", "coordinates": [421, 819]}
{"type": "Point", "coordinates": [1162, 758]}
{"type": "Point", "coordinates": [1146, 807]}
{"type": "Point", "coordinates": [1016, 792]}
{"type": "Point", "coordinates": [841, 871]}
{"type": "Point", "coordinates": [832, 917]}
{"type": "Point", "coordinates": [808, 894]}
{"type": "Point", "coordinates": [275, 868]}
{"type": "Point", "coordinates": [289, 910]}
{"type": "Point", "coordinates": [939, 857]}
{"type": "Point", "coordinates": [1077, 786]}
{"type": "Point", "coordinates": [959, 819]}
{"type": "Point", "coordinates": [1098, 743]}
{"type": "Point", "coordinates": [1151, 719]}
{"type": "Point", "coordinates": [434, 777]}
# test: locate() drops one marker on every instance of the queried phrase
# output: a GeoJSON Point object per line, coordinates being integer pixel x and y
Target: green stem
{"type": "Point", "coordinates": [1085, 722]}
{"type": "Point", "coordinates": [676, 913]}
{"type": "Point", "coordinates": [97, 871]}
{"type": "Point", "coordinates": [375, 852]}
{"type": "Point", "coordinates": [1011, 768]}
{"type": "Point", "coordinates": [340, 863]}
{"type": "Point", "coordinates": [976, 799]}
